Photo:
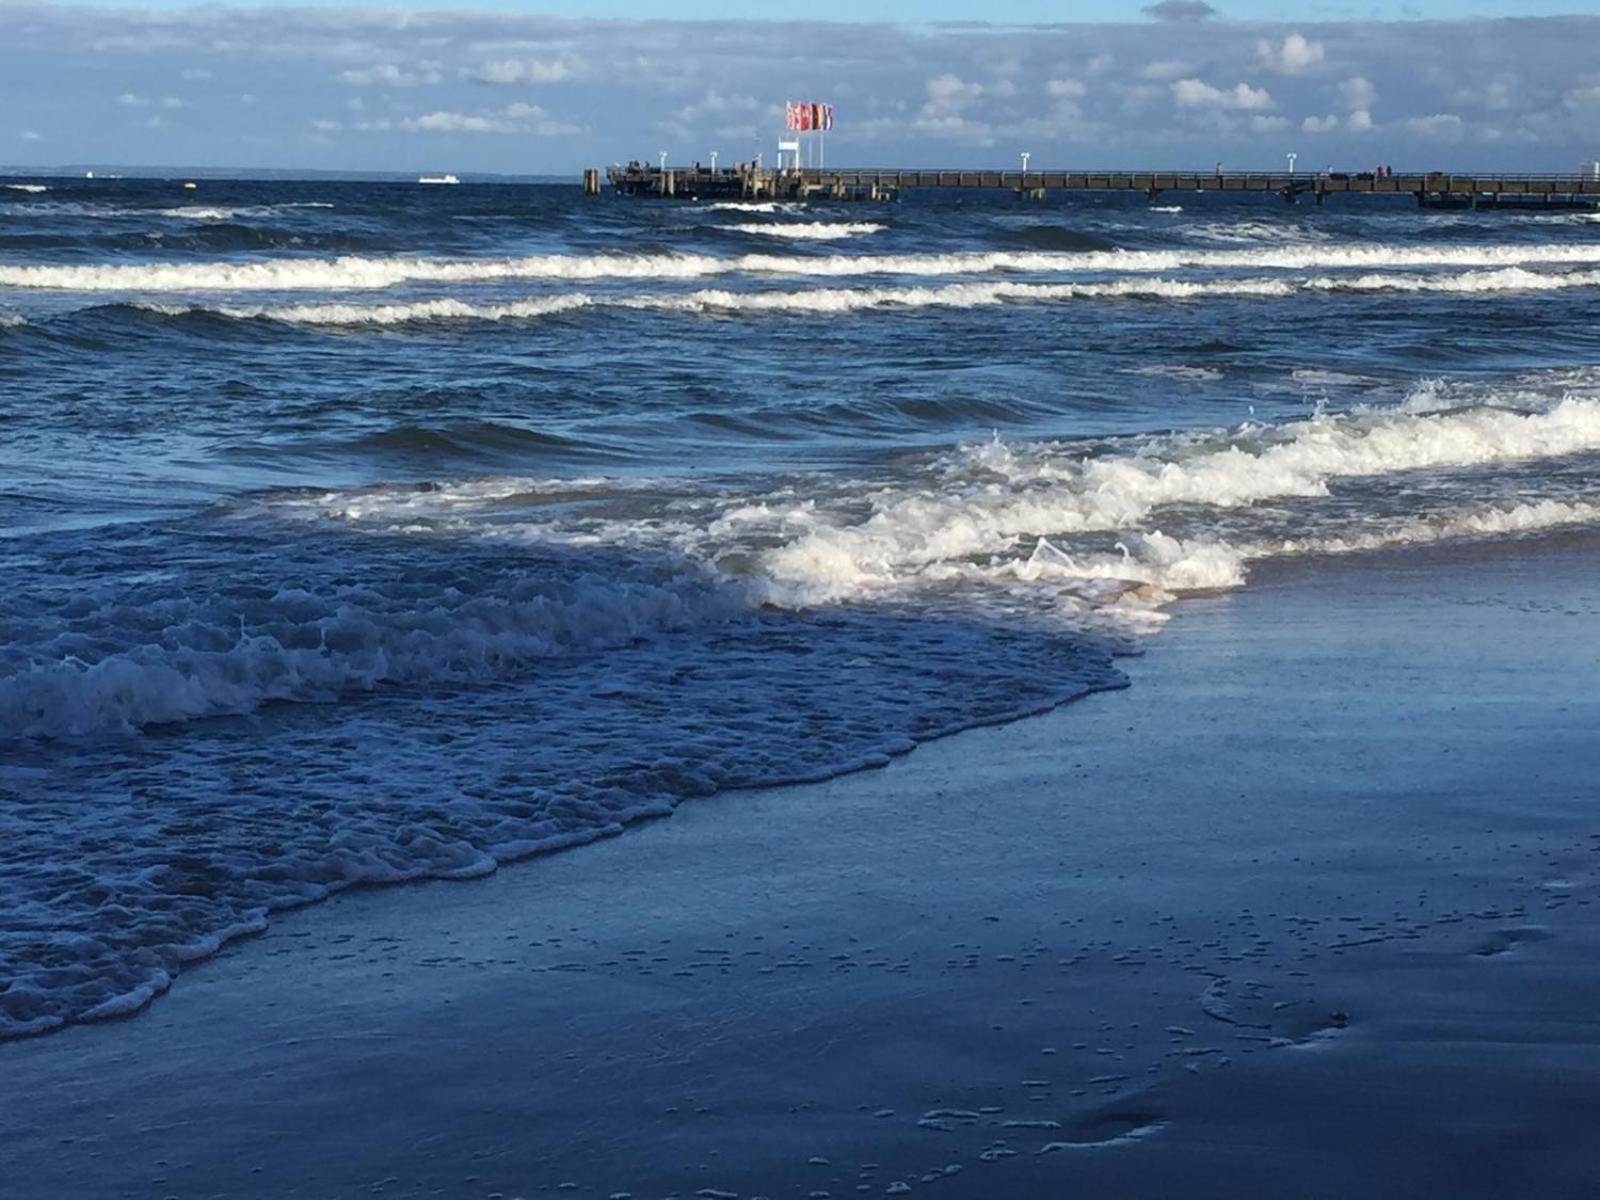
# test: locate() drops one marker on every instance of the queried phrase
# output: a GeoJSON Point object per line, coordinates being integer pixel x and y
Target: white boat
{"type": "Point", "coordinates": [437, 179]}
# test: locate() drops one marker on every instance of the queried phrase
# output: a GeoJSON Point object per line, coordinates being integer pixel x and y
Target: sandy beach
{"type": "Point", "coordinates": [1307, 911]}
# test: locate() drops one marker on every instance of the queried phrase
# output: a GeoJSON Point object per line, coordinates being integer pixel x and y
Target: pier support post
{"type": "Point", "coordinates": [591, 181]}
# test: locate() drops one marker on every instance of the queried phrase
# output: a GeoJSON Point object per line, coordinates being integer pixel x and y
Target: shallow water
{"type": "Point", "coordinates": [367, 532]}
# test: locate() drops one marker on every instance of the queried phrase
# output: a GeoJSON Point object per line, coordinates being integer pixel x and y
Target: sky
{"type": "Point", "coordinates": [536, 89]}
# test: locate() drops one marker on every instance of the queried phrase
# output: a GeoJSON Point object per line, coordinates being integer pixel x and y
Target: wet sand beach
{"type": "Point", "coordinates": [1308, 910]}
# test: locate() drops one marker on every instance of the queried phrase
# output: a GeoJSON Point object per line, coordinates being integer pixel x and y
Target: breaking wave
{"type": "Point", "coordinates": [353, 272]}
{"type": "Point", "coordinates": [820, 231]}
{"type": "Point", "coordinates": [994, 494]}
{"type": "Point", "coordinates": [845, 300]}
{"type": "Point", "coordinates": [205, 213]}
{"type": "Point", "coordinates": [180, 657]}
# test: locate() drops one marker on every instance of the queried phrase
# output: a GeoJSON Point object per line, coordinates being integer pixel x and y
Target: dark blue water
{"type": "Point", "coordinates": [358, 532]}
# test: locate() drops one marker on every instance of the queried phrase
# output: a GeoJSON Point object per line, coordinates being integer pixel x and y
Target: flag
{"type": "Point", "coordinates": [827, 116]}
{"type": "Point", "coordinates": [791, 118]}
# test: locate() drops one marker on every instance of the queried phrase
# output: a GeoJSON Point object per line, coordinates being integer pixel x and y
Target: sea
{"type": "Point", "coordinates": [354, 533]}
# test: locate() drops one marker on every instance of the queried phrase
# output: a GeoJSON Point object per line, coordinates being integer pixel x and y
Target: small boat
{"type": "Point", "coordinates": [437, 179]}
{"type": "Point", "coordinates": [189, 185]}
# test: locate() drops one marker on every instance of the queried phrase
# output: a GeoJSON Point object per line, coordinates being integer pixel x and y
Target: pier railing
{"type": "Point", "coordinates": [751, 182]}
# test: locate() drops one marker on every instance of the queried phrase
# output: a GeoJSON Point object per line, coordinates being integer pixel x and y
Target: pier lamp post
{"type": "Point", "coordinates": [663, 160]}
{"type": "Point", "coordinates": [713, 162]}
{"type": "Point", "coordinates": [1291, 156]}
{"type": "Point", "coordinates": [1025, 156]}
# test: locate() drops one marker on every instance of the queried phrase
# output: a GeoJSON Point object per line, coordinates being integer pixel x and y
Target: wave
{"type": "Point", "coordinates": [822, 231]}
{"type": "Point", "coordinates": [750, 206]}
{"type": "Point", "coordinates": [392, 314]}
{"type": "Point", "coordinates": [353, 272]}
{"type": "Point", "coordinates": [207, 213]}
{"type": "Point", "coordinates": [230, 655]}
{"type": "Point", "coordinates": [32, 188]}
{"type": "Point", "coordinates": [994, 494]}
{"type": "Point", "coordinates": [846, 300]}
{"type": "Point", "coordinates": [1202, 564]}
{"type": "Point", "coordinates": [12, 320]}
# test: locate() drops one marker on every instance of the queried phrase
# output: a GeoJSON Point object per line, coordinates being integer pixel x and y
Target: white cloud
{"type": "Point", "coordinates": [1260, 124]}
{"type": "Point", "coordinates": [953, 128]}
{"type": "Point", "coordinates": [1500, 95]}
{"type": "Point", "coordinates": [1439, 127]}
{"type": "Point", "coordinates": [32, 135]}
{"type": "Point", "coordinates": [156, 122]}
{"type": "Point", "coordinates": [1194, 93]}
{"type": "Point", "coordinates": [1292, 56]}
{"type": "Point", "coordinates": [132, 100]}
{"type": "Point", "coordinates": [171, 102]}
{"type": "Point", "coordinates": [714, 102]}
{"type": "Point", "coordinates": [949, 94]}
{"type": "Point", "coordinates": [509, 71]}
{"type": "Point", "coordinates": [1583, 99]}
{"type": "Point", "coordinates": [391, 75]}
{"type": "Point", "coordinates": [513, 118]}
{"type": "Point", "coordinates": [196, 74]}
{"type": "Point", "coordinates": [1166, 69]}
{"type": "Point", "coordinates": [325, 126]}
{"type": "Point", "coordinates": [1065, 89]}
{"type": "Point", "coordinates": [1357, 94]}
{"type": "Point", "coordinates": [1325, 124]}
{"type": "Point", "coordinates": [1359, 121]}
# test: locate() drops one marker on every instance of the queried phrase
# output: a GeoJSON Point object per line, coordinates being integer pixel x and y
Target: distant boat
{"type": "Point", "coordinates": [437, 179]}
{"type": "Point", "coordinates": [189, 185]}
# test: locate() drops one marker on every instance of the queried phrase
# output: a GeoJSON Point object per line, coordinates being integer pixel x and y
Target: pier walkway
{"type": "Point", "coordinates": [1432, 189]}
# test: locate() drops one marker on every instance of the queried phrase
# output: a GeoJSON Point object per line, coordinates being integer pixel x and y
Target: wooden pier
{"type": "Point", "coordinates": [1432, 189]}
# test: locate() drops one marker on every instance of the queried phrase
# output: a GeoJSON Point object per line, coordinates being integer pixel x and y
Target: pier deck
{"type": "Point", "coordinates": [1430, 188]}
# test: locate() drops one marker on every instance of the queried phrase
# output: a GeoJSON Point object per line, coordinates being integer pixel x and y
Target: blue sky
{"type": "Point", "coordinates": [522, 90]}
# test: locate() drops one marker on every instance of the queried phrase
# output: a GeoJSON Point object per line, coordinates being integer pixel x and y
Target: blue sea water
{"type": "Point", "coordinates": [365, 532]}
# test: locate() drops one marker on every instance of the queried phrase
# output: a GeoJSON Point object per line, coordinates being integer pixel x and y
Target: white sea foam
{"type": "Point", "coordinates": [994, 494]}
{"type": "Point", "coordinates": [1315, 376]}
{"type": "Point", "coordinates": [444, 309]}
{"type": "Point", "coordinates": [820, 231]}
{"type": "Point", "coordinates": [231, 655]}
{"type": "Point", "coordinates": [12, 320]}
{"type": "Point", "coordinates": [1178, 371]}
{"type": "Point", "coordinates": [1250, 233]}
{"type": "Point", "coordinates": [1196, 564]}
{"type": "Point", "coordinates": [34, 188]}
{"type": "Point", "coordinates": [750, 206]}
{"type": "Point", "coordinates": [362, 273]}
{"type": "Point", "coordinates": [212, 213]}
{"type": "Point", "coordinates": [847, 300]}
